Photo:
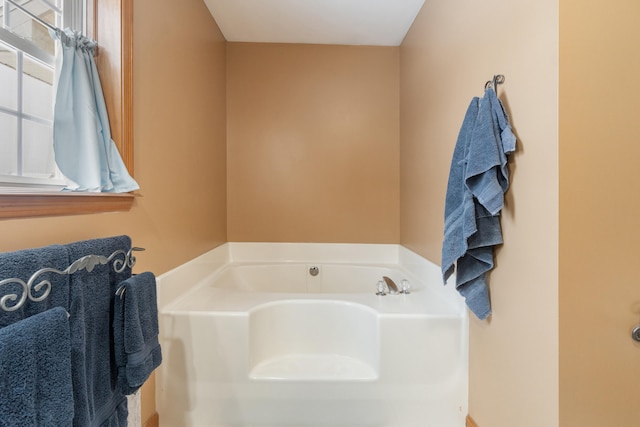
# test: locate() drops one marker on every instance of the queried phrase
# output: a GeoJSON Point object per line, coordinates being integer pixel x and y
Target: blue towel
{"type": "Point", "coordinates": [486, 174]}
{"type": "Point", "coordinates": [98, 401]}
{"type": "Point", "coordinates": [135, 330]}
{"type": "Point", "coordinates": [475, 196]}
{"type": "Point", "coordinates": [459, 215]}
{"type": "Point", "coordinates": [35, 371]}
{"type": "Point", "coordinates": [21, 265]}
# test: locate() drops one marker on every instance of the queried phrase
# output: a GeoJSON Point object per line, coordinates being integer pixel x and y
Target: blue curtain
{"type": "Point", "coordinates": [84, 150]}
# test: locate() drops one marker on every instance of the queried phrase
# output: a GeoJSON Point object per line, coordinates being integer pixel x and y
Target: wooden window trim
{"type": "Point", "coordinates": [110, 22]}
{"type": "Point", "coordinates": [51, 204]}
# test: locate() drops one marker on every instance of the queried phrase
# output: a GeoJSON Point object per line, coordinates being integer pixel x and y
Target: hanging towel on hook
{"type": "Point", "coordinates": [135, 331]}
{"type": "Point", "coordinates": [459, 217]}
{"type": "Point", "coordinates": [486, 175]}
{"type": "Point", "coordinates": [478, 179]}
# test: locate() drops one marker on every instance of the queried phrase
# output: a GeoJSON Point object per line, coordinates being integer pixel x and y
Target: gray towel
{"type": "Point", "coordinates": [98, 402]}
{"type": "Point", "coordinates": [475, 196]}
{"type": "Point", "coordinates": [35, 371]}
{"type": "Point", "coordinates": [135, 330]}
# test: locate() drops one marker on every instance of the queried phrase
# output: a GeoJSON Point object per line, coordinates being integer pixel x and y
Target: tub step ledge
{"type": "Point", "coordinates": [313, 367]}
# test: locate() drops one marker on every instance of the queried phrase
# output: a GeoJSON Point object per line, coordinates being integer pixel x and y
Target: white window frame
{"type": "Point", "coordinates": [72, 16]}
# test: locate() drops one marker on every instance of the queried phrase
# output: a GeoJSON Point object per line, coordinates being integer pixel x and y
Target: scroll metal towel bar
{"type": "Point", "coordinates": [88, 262]}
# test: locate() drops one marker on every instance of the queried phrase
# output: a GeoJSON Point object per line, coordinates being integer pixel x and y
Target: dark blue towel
{"type": "Point", "coordinates": [135, 330]}
{"type": "Point", "coordinates": [35, 371]}
{"type": "Point", "coordinates": [21, 265]}
{"type": "Point", "coordinates": [98, 401]}
{"type": "Point", "coordinates": [475, 196]}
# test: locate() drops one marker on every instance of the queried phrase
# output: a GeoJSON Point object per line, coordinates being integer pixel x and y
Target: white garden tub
{"type": "Point", "coordinates": [250, 338]}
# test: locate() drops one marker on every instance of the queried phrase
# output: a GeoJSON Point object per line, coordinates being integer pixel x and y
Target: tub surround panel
{"type": "Point", "coordinates": [218, 294]}
{"type": "Point", "coordinates": [175, 283]}
{"type": "Point", "coordinates": [432, 274]}
{"type": "Point", "coordinates": [317, 252]}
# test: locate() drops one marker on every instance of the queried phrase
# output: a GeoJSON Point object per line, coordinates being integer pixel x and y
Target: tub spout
{"type": "Point", "coordinates": [393, 288]}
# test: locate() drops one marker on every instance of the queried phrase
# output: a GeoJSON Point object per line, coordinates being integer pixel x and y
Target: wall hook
{"type": "Point", "coordinates": [498, 79]}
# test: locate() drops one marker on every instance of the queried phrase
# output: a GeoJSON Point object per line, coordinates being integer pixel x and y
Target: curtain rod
{"type": "Point", "coordinates": [33, 15]}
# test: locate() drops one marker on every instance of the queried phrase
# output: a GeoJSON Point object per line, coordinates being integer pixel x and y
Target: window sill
{"type": "Point", "coordinates": [53, 204]}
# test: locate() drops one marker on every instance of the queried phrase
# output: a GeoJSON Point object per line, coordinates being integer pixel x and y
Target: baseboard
{"type": "Point", "coordinates": [154, 421]}
{"type": "Point", "coordinates": [470, 422]}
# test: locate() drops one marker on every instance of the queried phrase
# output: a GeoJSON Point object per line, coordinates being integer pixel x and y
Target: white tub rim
{"type": "Point", "coordinates": [178, 282]}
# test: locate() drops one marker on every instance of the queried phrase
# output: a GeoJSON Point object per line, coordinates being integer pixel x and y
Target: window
{"type": "Point", "coordinates": [110, 22]}
{"type": "Point", "coordinates": [27, 55]}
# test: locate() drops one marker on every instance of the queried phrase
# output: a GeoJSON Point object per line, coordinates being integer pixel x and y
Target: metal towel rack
{"type": "Point", "coordinates": [88, 262]}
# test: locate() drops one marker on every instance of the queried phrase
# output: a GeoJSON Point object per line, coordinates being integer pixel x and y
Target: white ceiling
{"type": "Point", "coordinates": [350, 22]}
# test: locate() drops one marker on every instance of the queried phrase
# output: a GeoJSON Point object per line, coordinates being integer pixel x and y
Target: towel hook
{"type": "Point", "coordinates": [498, 79]}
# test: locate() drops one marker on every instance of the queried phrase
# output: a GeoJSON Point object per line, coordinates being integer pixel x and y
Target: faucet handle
{"type": "Point", "coordinates": [405, 286]}
{"type": "Point", "coordinates": [381, 288]}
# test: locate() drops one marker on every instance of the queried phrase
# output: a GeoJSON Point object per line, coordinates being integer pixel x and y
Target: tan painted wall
{"type": "Point", "coordinates": [452, 49]}
{"type": "Point", "coordinates": [313, 143]}
{"type": "Point", "coordinates": [179, 120]}
{"type": "Point", "coordinates": [599, 213]}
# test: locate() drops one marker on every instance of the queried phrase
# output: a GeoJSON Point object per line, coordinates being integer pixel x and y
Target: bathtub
{"type": "Point", "coordinates": [276, 335]}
